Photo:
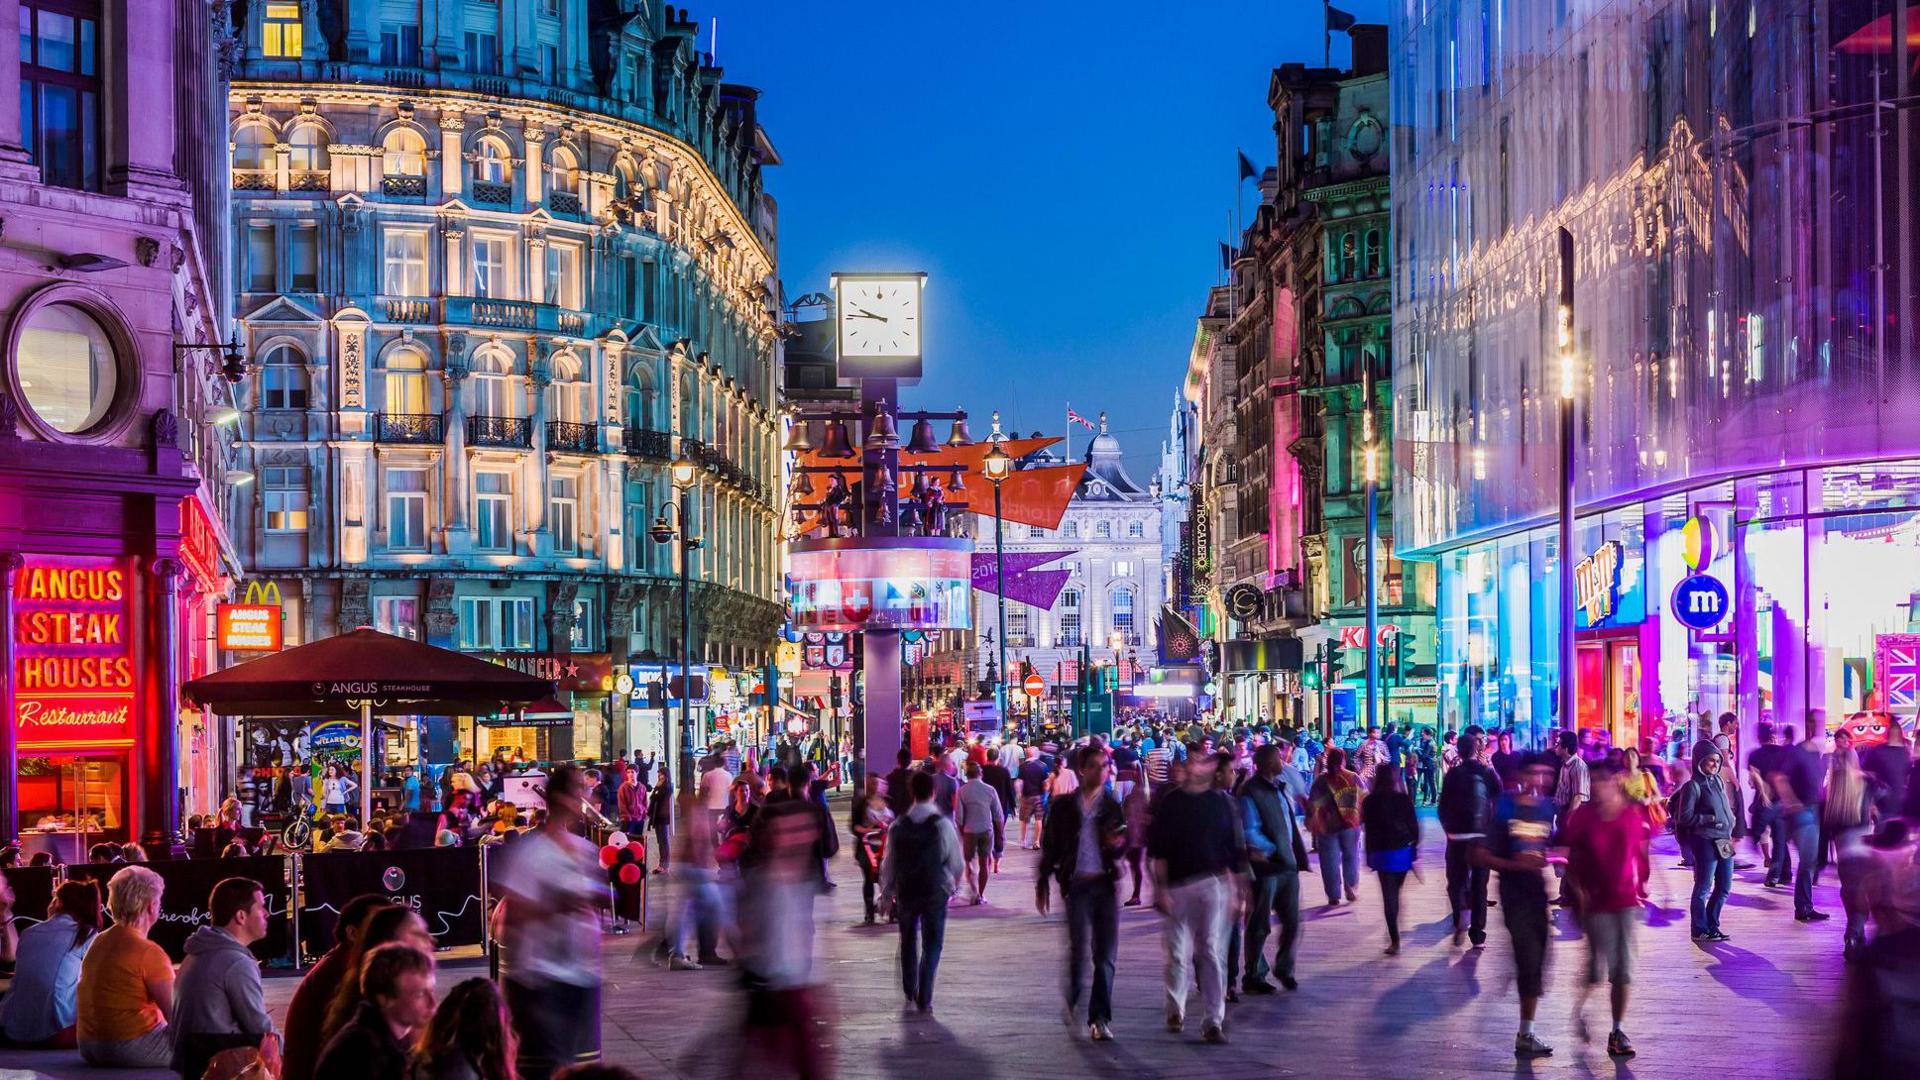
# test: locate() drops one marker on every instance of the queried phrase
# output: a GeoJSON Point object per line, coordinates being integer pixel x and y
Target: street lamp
{"type": "Point", "coordinates": [666, 529]}
{"type": "Point", "coordinates": [1564, 320]}
{"type": "Point", "coordinates": [1372, 461]}
{"type": "Point", "coordinates": [997, 466]}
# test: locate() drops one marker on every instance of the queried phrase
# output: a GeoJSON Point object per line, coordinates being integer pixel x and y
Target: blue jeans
{"type": "Point", "coordinates": [1339, 853]}
{"type": "Point", "coordinates": [923, 929]}
{"type": "Point", "coordinates": [1805, 829]}
{"type": "Point", "coordinates": [1774, 821]}
{"type": "Point", "coordinates": [1712, 881]}
{"type": "Point", "coordinates": [1093, 931]}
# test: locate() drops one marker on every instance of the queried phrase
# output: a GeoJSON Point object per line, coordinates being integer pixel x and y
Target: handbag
{"type": "Point", "coordinates": [1723, 848]}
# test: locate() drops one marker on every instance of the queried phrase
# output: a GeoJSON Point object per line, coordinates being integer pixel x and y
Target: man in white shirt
{"type": "Point", "coordinates": [982, 824]}
{"type": "Point", "coordinates": [715, 783]}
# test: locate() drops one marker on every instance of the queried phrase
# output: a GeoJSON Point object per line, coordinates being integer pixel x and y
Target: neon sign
{"type": "Point", "coordinates": [73, 653]}
{"type": "Point", "coordinates": [1596, 582]}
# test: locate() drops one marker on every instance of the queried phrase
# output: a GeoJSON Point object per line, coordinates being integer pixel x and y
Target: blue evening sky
{"type": "Point", "coordinates": [1063, 171]}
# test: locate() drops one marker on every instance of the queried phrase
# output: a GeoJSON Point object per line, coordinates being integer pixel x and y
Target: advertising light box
{"type": "Point", "coordinates": [919, 583]}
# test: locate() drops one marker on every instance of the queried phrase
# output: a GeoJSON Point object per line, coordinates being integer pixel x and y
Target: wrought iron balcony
{"type": "Point", "coordinates": [310, 180]}
{"type": "Point", "coordinates": [693, 450]}
{"type": "Point", "coordinates": [515, 432]}
{"type": "Point", "coordinates": [492, 192]}
{"type": "Point", "coordinates": [564, 202]}
{"type": "Point", "coordinates": [652, 445]}
{"type": "Point", "coordinates": [405, 186]}
{"type": "Point", "coordinates": [409, 428]}
{"type": "Point", "coordinates": [571, 438]}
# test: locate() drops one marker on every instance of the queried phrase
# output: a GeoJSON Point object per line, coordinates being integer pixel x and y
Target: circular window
{"type": "Point", "coordinates": [66, 368]}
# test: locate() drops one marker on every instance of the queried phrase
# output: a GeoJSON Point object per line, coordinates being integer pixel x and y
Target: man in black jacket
{"type": "Point", "coordinates": [1277, 855]}
{"type": "Point", "coordinates": [1080, 848]}
{"type": "Point", "coordinates": [1466, 805]}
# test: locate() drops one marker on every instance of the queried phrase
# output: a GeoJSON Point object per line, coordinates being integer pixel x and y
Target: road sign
{"type": "Point", "coordinates": [1035, 686]}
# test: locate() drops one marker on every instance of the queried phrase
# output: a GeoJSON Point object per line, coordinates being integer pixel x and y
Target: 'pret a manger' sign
{"type": "Point", "coordinates": [73, 672]}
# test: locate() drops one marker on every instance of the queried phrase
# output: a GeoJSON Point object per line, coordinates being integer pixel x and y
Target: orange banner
{"type": "Point", "coordinates": [1036, 496]}
{"type": "Point", "coordinates": [966, 457]}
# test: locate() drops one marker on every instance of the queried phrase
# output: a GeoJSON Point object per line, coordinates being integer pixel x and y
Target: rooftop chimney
{"type": "Point", "coordinates": [1369, 48]}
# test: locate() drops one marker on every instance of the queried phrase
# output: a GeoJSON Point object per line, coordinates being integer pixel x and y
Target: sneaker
{"type": "Point", "coordinates": [1353, 896]}
{"type": "Point", "coordinates": [1176, 1023]}
{"type": "Point", "coordinates": [1393, 949]}
{"type": "Point", "coordinates": [1813, 916]}
{"type": "Point", "coordinates": [1530, 1046]}
{"type": "Point", "coordinates": [1717, 936]}
{"type": "Point", "coordinates": [1479, 941]}
{"type": "Point", "coordinates": [1214, 1033]}
{"type": "Point", "coordinates": [1258, 986]}
{"type": "Point", "coordinates": [1135, 902]}
{"type": "Point", "coordinates": [683, 963]}
{"type": "Point", "coordinates": [1618, 1046]}
{"type": "Point", "coordinates": [1099, 1032]}
{"type": "Point", "coordinates": [1288, 982]}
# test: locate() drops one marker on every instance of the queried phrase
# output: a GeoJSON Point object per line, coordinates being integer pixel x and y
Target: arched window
{"type": "Point", "coordinates": [253, 147]}
{"type": "Point", "coordinates": [309, 149]}
{"type": "Point", "coordinates": [568, 396]}
{"type": "Point", "coordinates": [642, 397]}
{"type": "Point", "coordinates": [1348, 256]}
{"type": "Point", "coordinates": [563, 173]}
{"type": "Point", "coordinates": [283, 379]}
{"type": "Point", "coordinates": [403, 153]}
{"type": "Point", "coordinates": [1103, 529]}
{"type": "Point", "coordinates": [492, 162]}
{"type": "Point", "coordinates": [492, 385]}
{"type": "Point", "coordinates": [406, 383]}
{"type": "Point", "coordinates": [1372, 253]}
{"type": "Point", "coordinates": [1123, 615]}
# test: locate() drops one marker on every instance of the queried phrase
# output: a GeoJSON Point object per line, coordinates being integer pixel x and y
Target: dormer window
{"type": "Point", "coordinates": [280, 32]}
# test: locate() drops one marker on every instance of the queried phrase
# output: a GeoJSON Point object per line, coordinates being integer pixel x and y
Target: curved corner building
{"type": "Point", "coordinates": [498, 263]}
{"type": "Point", "coordinates": [1737, 178]}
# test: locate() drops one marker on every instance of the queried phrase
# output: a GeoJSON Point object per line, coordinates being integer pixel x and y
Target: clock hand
{"type": "Point", "coordinates": [863, 313]}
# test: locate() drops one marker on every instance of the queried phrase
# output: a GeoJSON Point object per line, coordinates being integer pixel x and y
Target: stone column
{"type": "Point", "coordinates": [159, 761]}
{"type": "Point", "coordinates": [10, 563]}
{"type": "Point", "coordinates": [453, 159]}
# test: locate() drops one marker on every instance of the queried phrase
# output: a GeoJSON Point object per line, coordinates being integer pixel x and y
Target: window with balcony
{"type": "Point", "coordinates": [586, 625]}
{"type": "Point", "coordinates": [1019, 627]}
{"type": "Point", "coordinates": [496, 623]}
{"type": "Point", "coordinates": [493, 267]}
{"type": "Point", "coordinates": [403, 153]}
{"type": "Point", "coordinates": [562, 282]}
{"type": "Point", "coordinates": [493, 511]}
{"type": "Point", "coordinates": [1123, 623]}
{"type": "Point", "coordinates": [397, 615]}
{"type": "Point", "coordinates": [303, 259]}
{"type": "Point", "coordinates": [263, 262]}
{"type": "Point", "coordinates": [281, 31]}
{"type": "Point", "coordinates": [407, 509]}
{"type": "Point", "coordinates": [404, 253]}
{"type": "Point", "coordinates": [406, 383]}
{"type": "Point", "coordinates": [492, 172]}
{"type": "Point", "coordinates": [283, 379]}
{"type": "Point", "coordinates": [253, 149]}
{"type": "Point", "coordinates": [493, 392]}
{"type": "Point", "coordinates": [284, 491]}
{"type": "Point", "coordinates": [563, 514]}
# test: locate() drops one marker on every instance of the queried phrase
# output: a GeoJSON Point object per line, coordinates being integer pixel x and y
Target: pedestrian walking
{"type": "Point", "coordinates": [1333, 817]}
{"type": "Point", "coordinates": [1702, 817]}
{"type": "Point", "coordinates": [1276, 855]}
{"type": "Point", "coordinates": [1798, 787]}
{"type": "Point", "coordinates": [1770, 836]}
{"type": "Point", "coordinates": [868, 823]}
{"type": "Point", "coordinates": [1516, 846]}
{"type": "Point", "coordinates": [1571, 789]}
{"type": "Point", "coordinates": [554, 889]}
{"type": "Point", "coordinates": [920, 871]}
{"type": "Point", "coordinates": [1137, 808]}
{"type": "Point", "coordinates": [1606, 840]}
{"type": "Point", "coordinates": [1000, 779]}
{"type": "Point", "coordinates": [1372, 753]}
{"type": "Point", "coordinates": [982, 824]}
{"type": "Point", "coordinates": [1847, 816]}
{"type": "Point", "coordinates": [1467, 797]}
{"type": "Point", "coordinates": [1085, 834]}
{"type": "Point", "coordinates": [1392, 829]}
{"type": "Point", "coordinates": [1199, 857]}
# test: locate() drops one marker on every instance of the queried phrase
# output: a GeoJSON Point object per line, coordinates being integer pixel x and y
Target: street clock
{"type": "Point", "coordinates": [878, 325]}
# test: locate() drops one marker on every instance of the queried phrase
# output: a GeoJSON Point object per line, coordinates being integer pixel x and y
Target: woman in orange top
{"type": "Point", "coordinates": [1333, 817]}
{"type": "Point", "coordinates": [126, 981]}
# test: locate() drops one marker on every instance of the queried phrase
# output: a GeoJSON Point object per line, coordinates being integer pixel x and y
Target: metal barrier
{"type": "Point", "coordinates": [189, 882]}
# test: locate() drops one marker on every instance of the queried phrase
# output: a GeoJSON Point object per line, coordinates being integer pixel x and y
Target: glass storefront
{"type": "Point", "coordinates": [1822, 568]}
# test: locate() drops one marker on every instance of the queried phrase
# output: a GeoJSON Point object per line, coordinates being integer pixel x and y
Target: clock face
{"type": "Point", "coordinates": [880, 317]}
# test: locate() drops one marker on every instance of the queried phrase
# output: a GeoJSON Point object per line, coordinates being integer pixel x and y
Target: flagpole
{"type": "Point", "coordinates": [1069, 426]}
{"type": "Point", "coordinates": [1326, 33]}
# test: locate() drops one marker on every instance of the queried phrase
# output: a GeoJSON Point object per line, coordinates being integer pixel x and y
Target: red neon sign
{"type": "Point", "coordinates": [73, 672]}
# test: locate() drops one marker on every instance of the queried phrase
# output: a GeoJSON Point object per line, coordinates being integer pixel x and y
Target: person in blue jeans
{"type": "Point", "coordinates": [1797, 788]}
{"type": "Point", "coordinates": [920, 870]}
{"type": "Point", "coordinates": [1333, 816]}
{"type": "Point", "coordinates": [1703, 818]}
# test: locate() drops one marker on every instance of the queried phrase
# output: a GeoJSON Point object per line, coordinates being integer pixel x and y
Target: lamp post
{"type": "Point", "coordinates": [1372, 453]}
{"type": "Point", "coordinates": [1565, 323]}
{"type": "Point", "coordinates": [666, 530]}
{"type": "Point", "coordinates": [997, 466]}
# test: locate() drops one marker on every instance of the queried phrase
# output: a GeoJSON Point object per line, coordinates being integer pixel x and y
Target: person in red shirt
{"type": "Point", "coordinates": [1606, 840]}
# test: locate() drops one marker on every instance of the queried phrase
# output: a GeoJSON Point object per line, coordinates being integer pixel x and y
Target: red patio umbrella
{"type": "Point", "coordinates": [365, 673]}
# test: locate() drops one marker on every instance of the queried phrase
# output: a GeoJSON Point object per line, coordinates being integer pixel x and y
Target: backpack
{"type": "Point", "coordinates": [1675, 802]}
{"type": "Point", "coordinates": [919, 858]}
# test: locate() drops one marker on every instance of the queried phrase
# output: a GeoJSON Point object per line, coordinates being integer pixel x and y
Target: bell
{"type": "Point", "coordinates": [799, 437]}
{"type": "Point", "coordinates": [836, 445]}
{"type": "Point", "coordinates": [880, 429]}
{"type": "Point", "coordinates": [958, 485]}
{"type": "Point", "coordinates": [803, 486]}
{"type": "Point", "coordinates": [909, 518]}
{"type": "Point", "coordinates": [922, 441]}
{"type": "Point", "coordinates": [919, 487]}
{"type": "Point", "coordinates": [961, 436]}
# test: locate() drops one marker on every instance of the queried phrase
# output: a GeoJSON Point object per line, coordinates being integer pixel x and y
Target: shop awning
{"type": "Point", "coordinates": [399, 676]}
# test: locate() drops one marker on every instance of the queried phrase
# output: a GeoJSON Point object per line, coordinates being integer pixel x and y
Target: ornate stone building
{"type": "Point", "coordinates": [499, 264]}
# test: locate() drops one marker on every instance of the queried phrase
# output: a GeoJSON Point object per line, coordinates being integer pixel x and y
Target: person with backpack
{"type": "Point", "coordinates": [1333, 817]}
{"type": "Point", "coordinates": [1466, 806]}
{"type": "Point", "coordinates": [920, 870]}
{"type": "Point", "coordinates": [1702, 814]}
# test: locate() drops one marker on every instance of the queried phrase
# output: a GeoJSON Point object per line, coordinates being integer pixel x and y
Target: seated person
{"type": "Point", "coordinates": [39, 1010]}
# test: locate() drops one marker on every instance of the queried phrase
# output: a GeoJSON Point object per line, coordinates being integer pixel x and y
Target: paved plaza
{"type": "Point", "coordinates": [1759, 1006]}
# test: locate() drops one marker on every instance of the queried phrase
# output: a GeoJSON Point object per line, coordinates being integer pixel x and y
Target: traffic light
{"type": "Point", "coordinates": [1336, 666]}
{"type": "Point", "coordinates": [1402, 654]}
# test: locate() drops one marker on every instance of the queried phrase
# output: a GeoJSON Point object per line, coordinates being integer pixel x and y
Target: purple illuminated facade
{"type": "Point", "coordinates": [112, 469]}
{"type": "Point", "coordinates": [1746, 284]}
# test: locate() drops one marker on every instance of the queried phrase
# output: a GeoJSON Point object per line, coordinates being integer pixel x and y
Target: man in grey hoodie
{"type": "Point", "coordinates": [1703, 820]}
{"type": "Point", "coordinates": [217, 1000]}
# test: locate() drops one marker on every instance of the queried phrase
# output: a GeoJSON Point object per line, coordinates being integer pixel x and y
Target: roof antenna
{"type": "Point", "coordinates": [713, 42]}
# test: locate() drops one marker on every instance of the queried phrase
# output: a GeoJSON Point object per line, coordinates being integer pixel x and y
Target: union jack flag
{"type": "Point", "coordinates": [1076, 418]}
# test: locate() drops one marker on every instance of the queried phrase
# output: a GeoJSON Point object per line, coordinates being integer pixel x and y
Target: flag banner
{"type": "Point", "coordinates": [1339, 20]}
{"type": "Point", "coordinates": [1247, 171]}
{"type": "Point", "coordinates": [1076, 418]}
{"type": "Point", "coordinates": [1179, 640]}
{"type": "Point", "coordinates": [1037, 496]}
{"type": "Point", "coordinates": [1025, 584]}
